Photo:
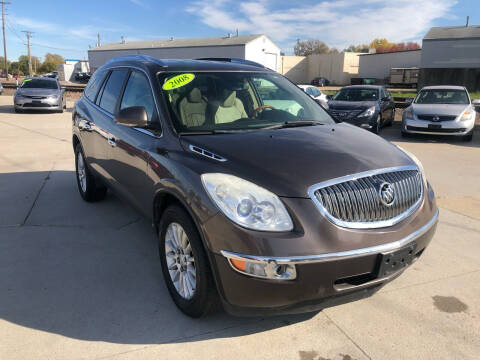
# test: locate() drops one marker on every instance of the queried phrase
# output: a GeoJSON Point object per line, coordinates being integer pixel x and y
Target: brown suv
{"type": "Point", "coordinates": [259, 198]}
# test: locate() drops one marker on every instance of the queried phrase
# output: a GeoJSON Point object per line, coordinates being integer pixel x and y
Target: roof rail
{"type": "Point", "coordinates": [236, 61]}
{"type": "Point", "coordinates": [138, 57]}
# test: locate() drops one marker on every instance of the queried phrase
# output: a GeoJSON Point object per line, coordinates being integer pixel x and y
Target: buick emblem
{"type": "Point", "coordinates": [386, 193]}
{"type": "Point", "coordinates": [436, 118]}
{"type": "Point", "coordinates": [342, 114]}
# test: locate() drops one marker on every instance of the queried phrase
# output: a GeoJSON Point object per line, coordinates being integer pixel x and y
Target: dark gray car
{"type": "Point", "coordinates": [368, 106]}
{"type": "Point", "coordinates": [259, 199]}
{"type": "Point", "coordinates": [40, 94]}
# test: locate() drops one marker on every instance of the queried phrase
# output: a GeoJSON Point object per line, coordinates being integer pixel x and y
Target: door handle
{"type": "Point", "coordinates": [112, 142]}
{"type": "Point", "coordinates": [85, 125]}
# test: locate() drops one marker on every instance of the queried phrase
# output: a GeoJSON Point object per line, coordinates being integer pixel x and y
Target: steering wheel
{"type": "Point", "coordinates": [260, 108]}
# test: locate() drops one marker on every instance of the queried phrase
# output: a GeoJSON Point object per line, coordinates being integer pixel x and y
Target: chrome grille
{"type": "Point", "coordinates": [344, 114]}
{"type": "Point", "coordinates": [437, 117]}
{"type": "Point", "coordinates": [355, 201]}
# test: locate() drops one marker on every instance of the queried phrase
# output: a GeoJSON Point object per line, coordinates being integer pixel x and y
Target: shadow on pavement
{"type": "Point", "coordinates": [76, 270]}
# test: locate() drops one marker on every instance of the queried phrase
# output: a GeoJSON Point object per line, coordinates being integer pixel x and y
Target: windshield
{"type": "Point", "coordinates": [39, 84]}
{"type": "Point", "coordinates": [356, 94]}
{"type": "Point", "coordinates": [232, 101]}
{"type": "Point", "coordinates": [439, 96]}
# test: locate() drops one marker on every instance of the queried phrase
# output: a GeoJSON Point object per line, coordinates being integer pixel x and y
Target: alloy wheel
{"type": "Point", "coordinates": [180, 260]}
{"type": "Point", "coordinates": [81, 172]}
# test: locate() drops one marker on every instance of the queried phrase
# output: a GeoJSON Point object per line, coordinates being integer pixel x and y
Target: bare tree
{"type": "Point", "coordinates": [310, 47]}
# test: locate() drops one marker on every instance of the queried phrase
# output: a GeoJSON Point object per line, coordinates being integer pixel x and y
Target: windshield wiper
{"type": "Point", "coordinates": [292, 124]}
{"type": "Point", "coordinates": [208, 132]}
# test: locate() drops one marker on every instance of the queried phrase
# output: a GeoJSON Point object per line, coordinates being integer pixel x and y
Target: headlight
{"type": "Point", "coordinates": [247, 204]}
{"type": "Point", "coordinates": [367, 113]}
{"type": "Point", "coordinates": [467, 115]}
{"type": "Point", "coordinates": [418, 163]}
{"type": "Point", "coordinates": [53, 96]}
{"type": "Point", "coordinates": [408, 113]}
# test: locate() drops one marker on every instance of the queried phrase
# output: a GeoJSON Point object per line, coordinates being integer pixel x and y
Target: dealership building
{"type": "Point", "coordinates": [258, 48]}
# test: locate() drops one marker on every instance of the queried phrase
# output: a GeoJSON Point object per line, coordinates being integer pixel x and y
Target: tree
{"type": "Point", "coordinates": [357, 48]}
{"type": "Point", "coordinates": [310, 47]}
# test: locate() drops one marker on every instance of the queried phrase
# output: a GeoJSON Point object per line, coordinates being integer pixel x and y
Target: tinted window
{"type": "Point", "coordinates": [138, 93]}
{"type": "Point", "coordinates": [39, 84]}
{"type": "Point", "coordinates": [112, 89]}
{"type": "Point", "coordinates": [356, 94]}
{"type": "Point", "coordinates": [94, 84]}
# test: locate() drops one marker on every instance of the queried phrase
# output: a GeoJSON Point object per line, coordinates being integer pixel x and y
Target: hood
{"type": "Point", "coordinates": [350, 105]}
{"type": "Point", "coordinates": [439, 109]}
{"type": "Point", "coordinates": [288, 161]}
{"type": "Point", "coordinates": [38, 92]}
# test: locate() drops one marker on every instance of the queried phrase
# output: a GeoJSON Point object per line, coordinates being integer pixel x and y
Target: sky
{"type": "Point", "coordinates": [70, 27]}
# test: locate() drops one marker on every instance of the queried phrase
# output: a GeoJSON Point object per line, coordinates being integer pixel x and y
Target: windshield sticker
{"type": "Point", "coordinates": [178, 81]}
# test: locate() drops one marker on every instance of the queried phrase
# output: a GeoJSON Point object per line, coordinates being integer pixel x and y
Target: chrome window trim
{"type": "Point", "coordinates": [144, 131]}
{"type": "Point", "coordinates": [310, 259]}
{"type": "Point", "coordinates": [365, 225]}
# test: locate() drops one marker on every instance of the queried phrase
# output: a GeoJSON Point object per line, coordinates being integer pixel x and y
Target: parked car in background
{"type": "Point", "coordinates": [82, 77]}
{"type": "Point", "coordinates": [441, 110]}
{"type": "Point", "coordinates": [53, 75]}
{"type": "Point", "coordinates": [320, 81]}
{"type": "Point", "coordinates": [319, 96]}
{"type": "Point", "coordinates": [368, 106]}
{"type": "Point", "coordinates": [267, 210]}
{"type": "Point", "coordinates": [39, 93]}
{"type": "Point", "coordinates": [1, 88]}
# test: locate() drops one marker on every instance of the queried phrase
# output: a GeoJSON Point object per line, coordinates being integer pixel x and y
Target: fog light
{"type": "Point", "coordinates": [262, 269]}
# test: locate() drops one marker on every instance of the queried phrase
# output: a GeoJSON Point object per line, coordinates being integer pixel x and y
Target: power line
{"type": "Point", "coordinates": [4, 38]}
{"type": "Point", "coordinates": [29, 34]}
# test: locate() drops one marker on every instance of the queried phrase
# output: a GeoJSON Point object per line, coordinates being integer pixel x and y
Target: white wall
{"type": "Point", "coordinates": [378, 66]}
{"type": "Point", "coordinates": [264, 51]}
{"type": "Point", "coordinates": [295, 68]}
{"type": "Point", "coordinates": [98, 58]}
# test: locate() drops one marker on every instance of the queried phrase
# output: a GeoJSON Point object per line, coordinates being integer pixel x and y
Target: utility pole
{"type": "Point", "coordinates": [98, 39]}
{"type": "Point", "coordinates": [29, 34]}
{"type": "Point", "coordinates": [4, 38]}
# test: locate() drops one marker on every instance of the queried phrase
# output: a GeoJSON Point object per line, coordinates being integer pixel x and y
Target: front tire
{"type": "Point", "coordinates": [87, 185]}
{"type": "Point", "coordinates": [468, 137]}
{"type": "Point", "coordinates": [184, 264]}
{"type": "Point", "coordinates": [378, 125]}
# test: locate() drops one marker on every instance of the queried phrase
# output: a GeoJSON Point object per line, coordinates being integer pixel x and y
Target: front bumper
{"type": "Point", "coordinates": [25, 103]}
{"type": "Point", "coordinates": [455, 127]}
{"type": "Point", "coordinates": [344, 266]}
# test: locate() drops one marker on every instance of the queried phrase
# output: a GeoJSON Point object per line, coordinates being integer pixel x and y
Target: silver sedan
{"type": "Point", "coordinates": [39, 94]}
{"type": "Point", "coordinates": [441, 110]}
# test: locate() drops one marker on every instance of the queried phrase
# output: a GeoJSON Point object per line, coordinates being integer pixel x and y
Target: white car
{"type": "Point", "coordinates": [316, 94]}
{"type": "Point", "coordinates": [441, 110]}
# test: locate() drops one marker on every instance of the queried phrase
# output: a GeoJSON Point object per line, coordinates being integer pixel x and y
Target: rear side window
{"type": "Point", "coordinates": [94, 84]}
{"type": "Point", "coordinates": [112, 89]}
{"type": "Point", "coordinates": [138, 93]}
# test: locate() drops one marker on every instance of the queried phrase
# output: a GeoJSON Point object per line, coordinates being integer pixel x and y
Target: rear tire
{"type": "Point", "coordinates": [89, 190]}
{"type": "Point", "coordinates": [193, 269]}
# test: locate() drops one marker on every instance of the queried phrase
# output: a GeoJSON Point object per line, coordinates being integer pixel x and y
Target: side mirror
{"type": "Point", "coordinates": [329, 97]}
{"type": "Point", "coordinates": [409, 100]}
{"type": "Point", "coordinates": [386, 98]}
{"type": "Point", "coordinates": [476, 102]}
{"type": "Point", "coordinates": [134, 116]}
